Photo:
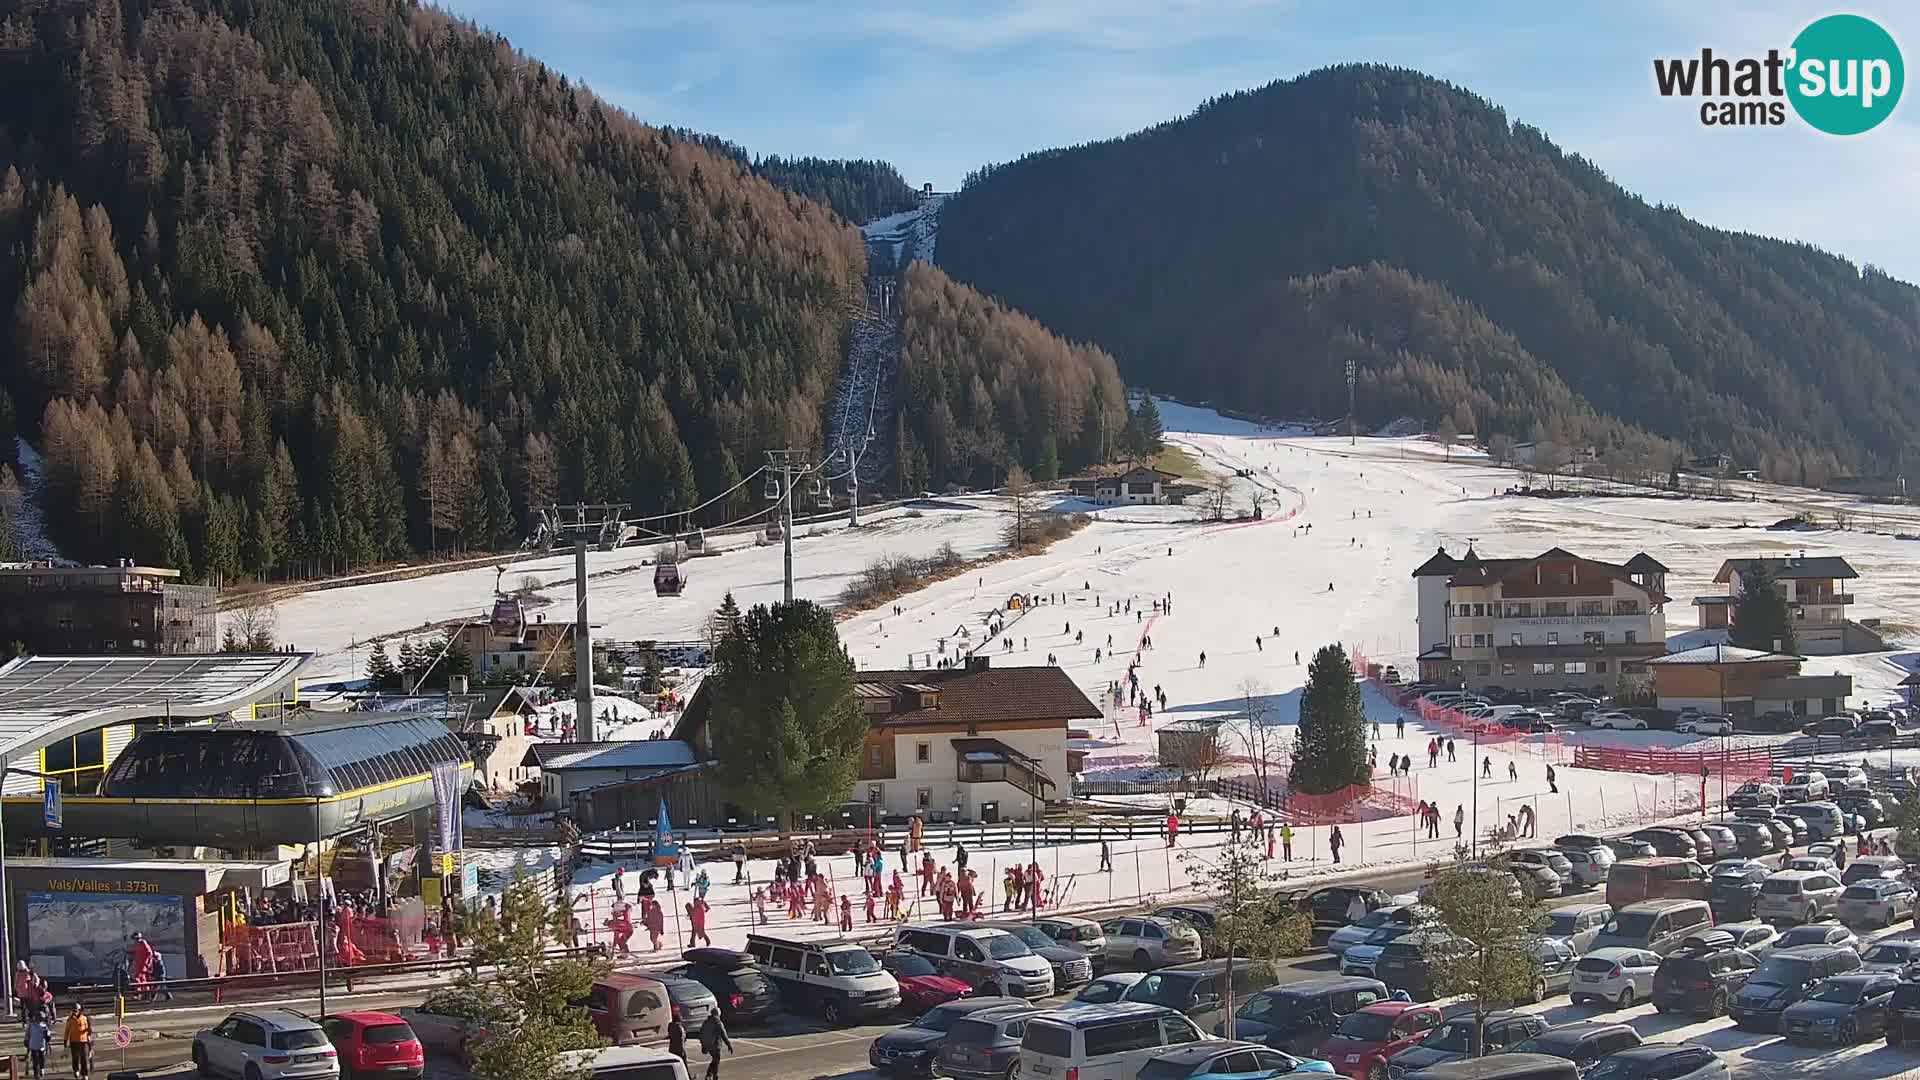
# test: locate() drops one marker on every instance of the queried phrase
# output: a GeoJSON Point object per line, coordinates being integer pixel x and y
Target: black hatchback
{"type": "Point", "coordinates": [1670, 842]}
{"type": "Point", "coordinates": [745, 995]}
{"type": "Point", "coordinates": [1701, 980]}
{"type": "Point", "coordinates": [1582, 1043]}
{"type": "Point", "coordinates": [1734, 890]}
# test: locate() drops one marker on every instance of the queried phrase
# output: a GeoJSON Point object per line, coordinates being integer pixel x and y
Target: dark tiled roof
{"type": "Point", "coordinates": [1043, 696]}
{"type": "Point", "coordinates": [1439, 564]}
{"type": "Point", "coordinates": [1644, 563]}
{"type": "Point", "coordinates": [1817, 566]}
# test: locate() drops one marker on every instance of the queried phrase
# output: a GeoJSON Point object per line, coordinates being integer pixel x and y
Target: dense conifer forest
{"type": "Point", "coordinates": [294, 286]}
{"type": "Point", "coordinates": [1473, 271]}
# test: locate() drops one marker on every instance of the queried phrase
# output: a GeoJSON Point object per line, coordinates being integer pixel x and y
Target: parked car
{"type": "Point", "coordinates": [1796, 825]}
{"type": "Point", "coordinates": [1577, 924]}
{"type": "Point", "coordinates": [1074, 930]}
{"type": "Point", "coordinates": [1797, 896]}
{"type": "Point", "coordinates": [1757, 938]}
{"type": "Point", "coordinates": [1752, 838]}
{"type": "Point", "coordinates": [1890, 956]}
{"type": "Point", "coordinates": [1704, 724]}
{"type": "Point", "coordinates": [1754, 793]}
{"type": "Point", "coordinates": [1824, 819]}
{"type": "Point", "coordinates": [1829, 725]}
{"type": "Point", "coordinates": [1554, 962]}
{"type": "Point", "coordinates": [1615, 720]}
{"type": "Point", "coordinates": [988, 960]}
{"type": "Point", "coordinates": [1726, 844]}
{"type": "Point", "coordinates": [1360, 1046]}
{"type": "Point", "coordinates": [1552, 860]}
{"type": "Point", "coordinates": [1811, 861]}
{"type": "Point", "coordinates": [1734, 888]}
{"type": "Point", "coordinates": [1903, 1014]}
{"type": "Point", "coordinates": [1782, 832]}
{"type": "Point", "coordinates": [1101, 1042]}
{"type": "Point", "coordinates": [1657, 926]}
{"type": "Point", "coordinates": [1667, 877]}
{"type": "Point", "coordinates": [1820, 933]}
{"type": "Point", "coordinates": [1620, 977]}
{"type": "Point", "coordinates": [1218, 1059]}
{"type": "Point", "coordinates": [1702, 980]}
{"type": "Point", "coordinates": [1876, 732]}
{"type": "Point", "coordinates": [1403, 963]}
{"type": "Point", "coordinates": [1589, 857]}
{"type": "Point", "coordinates": [1105, 989]}
{"type": "Point", "coordinates": [265, 1044]}
{"type": "Point", "coordinates": [1876, 902]}
{"type": "Point", "coordinates": [836, 979]}
{"type": "Point", "coordinates": [1627, 847]}
{"type": "Point", "coordinates": [1841, 1010]}
{"type": "Point", "coordinates": [1784, 977]}
{"type": "Point", "coordinates": [745, 996]}
{"type": "Point", "coordinates": [1660, 1061]}
{"type": "Point", "coordinates": [1455, 1039]}
{"type": "Point", "coordinates": [1672, 843]}
{"type": "Point", "coordinates": [922, 985]}
{"type": "Point", "coordinates": [1582, 1043]}
{"type": "Point", "coordinates": [1891, 867]}
{"type": "Point", "coordinates": [1147, 942]}
{"type": "Point", "coordinates": [1298, 1016]}
{"type": "Point", "coordinates": [1804, 787]}
{"type": "Point", "coordinates": [446, 1025]}
{"type": "Point", "coordinates": [1540, 881]}
{"type": "Point", "coordinates": [1072, 967]}
{"type": "Point", "coordinates": [1199, 990]}
{"type": "Point", "coordinates": [914, 1049]}
{"type": "Point", "coordinates": [985, 1045]}
{"type": "Point", "coordinates": [1870, 810]}
{"type": "Point", "coordinates": [1360, 959]}
{"type": "Point", "coordinates": [1328, 906]}
{"type": "Point", "coordinates": [1354, 933]}
{"type": "Point", "coordinates": [374, 1044]}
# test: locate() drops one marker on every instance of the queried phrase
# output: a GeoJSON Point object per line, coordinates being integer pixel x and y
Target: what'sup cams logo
{"type": "Point", "coordinates": [1842, 75]}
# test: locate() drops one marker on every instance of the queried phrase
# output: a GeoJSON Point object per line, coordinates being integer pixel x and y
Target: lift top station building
{"type": "Point", "coordinates": [212, 754]}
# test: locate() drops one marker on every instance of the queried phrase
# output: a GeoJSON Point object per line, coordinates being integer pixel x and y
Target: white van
{"type": "Point", "coordinates": [836, 980]}
{"type": "Point", "coordinates": [981, 958]}
{"type": "Point", "coordinates": [1101, 1042]}
{"type": "Point", "coordinates": [629, 1063]}
{"type": "Point", "coordinates": [1823, 818]}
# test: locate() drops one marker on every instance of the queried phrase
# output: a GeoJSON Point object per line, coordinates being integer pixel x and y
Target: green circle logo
{"type": "Point", "coordinates": [1847, 75]}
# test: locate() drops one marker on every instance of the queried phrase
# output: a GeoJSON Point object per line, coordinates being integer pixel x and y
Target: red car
{"type": "Point", "coordinates": [374, 1044]}
{"type": "Point", "coordinates": [921, 984]}
{"type": "Point", "coordinates": [1360, 1046]}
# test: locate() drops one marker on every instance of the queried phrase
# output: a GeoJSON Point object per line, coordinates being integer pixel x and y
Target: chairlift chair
{"type": "Point", "coordinates": [822, 495]}
{"type": "Point", "coordinates": [773, 487]}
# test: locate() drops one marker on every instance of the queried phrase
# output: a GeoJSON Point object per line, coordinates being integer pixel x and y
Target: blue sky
{"type": "Point", "coordinates": [941, 89]}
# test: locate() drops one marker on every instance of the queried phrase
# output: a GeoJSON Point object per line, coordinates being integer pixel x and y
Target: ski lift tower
{"type": "Point", "coordinates": [785, 468]}
{"type": "Point", "coordinates": [587, 523]}
{"type": "Point", "coordinates": [1350, 373]}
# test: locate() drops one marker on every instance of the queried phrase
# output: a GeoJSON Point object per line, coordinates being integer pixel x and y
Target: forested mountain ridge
{"type": "Point", "coordinates": [857, 190]}
{"type": "Point", "coordinates": [298, 285]}
{"type": "Point", "coordinates": [1470, 268]}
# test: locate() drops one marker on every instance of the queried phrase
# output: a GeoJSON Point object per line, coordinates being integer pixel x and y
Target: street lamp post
{"type": "Point", "coordinates": [1350, 418]}
{"type": "Point", "coordinates": [1474, 825]}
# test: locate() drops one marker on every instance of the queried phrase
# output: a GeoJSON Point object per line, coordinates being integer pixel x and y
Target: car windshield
{"type": "Point", "coordinates": [1161, 990]}
{"type": "Point", "coordinates": [1804, 935]}
{"type": "Point", "coordinates": [1033, 936]}
{"type": "Point", "coordinates": [1379, 917]}
{"type": "Point", "coordinates": [1081, 933]}
{"type": "Point", "coordinates": [1888, 953]}
{"type": "Point", "coordinates": [1780, 887]}
{"type": "Point", "coordinates": [936, 1019]}
{"type": "Point", "coordinates": [1386, 934]}
{"type": "Point", "coordinates": [1099, 993]}
{"type": "Point", "coordinates": [1455, 1037]}
{"type": "Point", "coordinates": [911, 964]}
{"type": "Point", "coordinates": [1632, 924]}
{"type": "Point", "coordinates": [1004, 947]}
{"type": "Point", "coordinates": [1561, 923]}
{"type": "Point", "coordinates": [965, 1032]}
{"type": "Point", "coordinates": [1782, 971]}
{"type": "Point", "coordinates": [1366, 1027]}
{"type": "Point", "coordinates": [1544, 1043]}
{"type": "Point", "coordinates": [1839, 993]}
{"type": "Point", "coordinates": [853, 962]}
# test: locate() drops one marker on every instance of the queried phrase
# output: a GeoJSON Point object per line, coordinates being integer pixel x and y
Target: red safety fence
{"type": "Point", "coordinates": [360, 939]}
{"type": "Point", "coordinates": [1737, 763]}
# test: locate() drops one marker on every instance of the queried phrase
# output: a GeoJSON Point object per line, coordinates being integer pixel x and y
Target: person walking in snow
{"type": "Point", "coordinates": [1459, 819]}
{"type": "Point", "coordinates": [1376, 731]}
{"type": "Point", "coordinates": [1513, 772]}
{"type": "Point", "coordinates": [1486, 768]}
{"type": "Point", "coordinates": [1203, 659]}
{"type": "Point", "coordinates": [1256, 644]}
{"type": "Point", "coordinates": [1400, 726]}
{"type": "Point", "coordinates": [1286, 842]}
{"type": "Point", "coordinates": [1296, 652]}
{"type": "Point", "coordinates": [1553, 784]}
{"type": "Point", "coordinates": [1450, 757]}
{"type": "Point", "coordinates": [1335, 841]}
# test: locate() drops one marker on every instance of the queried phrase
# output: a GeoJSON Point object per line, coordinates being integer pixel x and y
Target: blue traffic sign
{"type": "Point", "coordinates": [52, 811]}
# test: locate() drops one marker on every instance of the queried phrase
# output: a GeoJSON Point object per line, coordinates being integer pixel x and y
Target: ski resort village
{"type": "Point", "coordinates": [1021, 750]}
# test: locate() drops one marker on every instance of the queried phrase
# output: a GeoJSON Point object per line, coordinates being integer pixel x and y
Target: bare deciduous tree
{"type": "Point", "coordinates": [249, 629]}
{"type": "Point", "coordinates": [1195, 749]}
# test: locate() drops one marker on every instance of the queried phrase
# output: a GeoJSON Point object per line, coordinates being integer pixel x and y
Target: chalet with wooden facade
{"type": "Point", "coordinates": [1813, 591]}
{"type": "Point", "coordinates": [1745, 683]}
{"type": "Point", "coordinates": [1555, 621]}
{"type": "Point", "coordinates": [1137, 486]}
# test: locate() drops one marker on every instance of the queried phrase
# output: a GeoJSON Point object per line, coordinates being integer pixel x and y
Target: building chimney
{"type": "Point", "coordinates": [977, 662]}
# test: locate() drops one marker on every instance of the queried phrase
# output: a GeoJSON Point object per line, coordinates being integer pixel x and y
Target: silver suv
{"type": "Point", "coordinates": [266, 1044]}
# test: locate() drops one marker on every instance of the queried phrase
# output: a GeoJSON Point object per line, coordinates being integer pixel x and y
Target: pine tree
{"type": "Point", "coordinates": [1330, 745]}
{"type": "Point", "coordinates": [1048, 469]}
{"type": "Point", "coordinates": [380, 669]}
{"type": "Point", "coordinates": [724, 621]}
{"type": "Point", "coordinates": [786, 730]}
{"type": "Point", "coordinates": [503, 530]}
{"type": "Point", "coordinates": [1144, 429]}
{"type": "Point", "coordinates": [1761, 618]}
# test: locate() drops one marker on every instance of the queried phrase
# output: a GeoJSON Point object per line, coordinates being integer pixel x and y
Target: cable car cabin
{"type": "Point", "coordinates": [509, 618]}
{"type": "Point", "coordinates": [697, 540]}
{"type": "Point", "coordinates": [668, 580]}
{"type": "Point", "coordinates": [773, 530]}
